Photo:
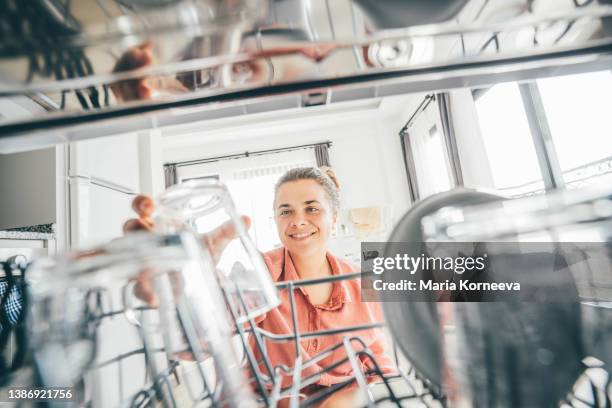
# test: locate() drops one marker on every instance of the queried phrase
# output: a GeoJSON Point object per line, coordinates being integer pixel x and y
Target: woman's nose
{"type": "Point", "coordinates": [298, 221]}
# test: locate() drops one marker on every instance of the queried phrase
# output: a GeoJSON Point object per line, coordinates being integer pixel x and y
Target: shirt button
{"type": "Point", "coordinates": [315, 344]}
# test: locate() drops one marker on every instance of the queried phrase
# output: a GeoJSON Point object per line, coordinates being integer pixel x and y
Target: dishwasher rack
{"type": "Point", "coordinates": [12, 318]}
{"type": "Point", "coordinates": [162, 376]}
{"type": "Point", "coordinates": [420, 388]}
{"type": "Point", "coordinates": [167, 381]}
{"type": "Point", "coordinates": [162, 386]}
{"type": "Point", "coordinates": [593, 389]}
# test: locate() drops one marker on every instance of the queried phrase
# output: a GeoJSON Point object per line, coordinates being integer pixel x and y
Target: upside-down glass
{"type": "Point", "coordinates": [204, 206]}
{"type": "Point", "coordinates": [65, 320]}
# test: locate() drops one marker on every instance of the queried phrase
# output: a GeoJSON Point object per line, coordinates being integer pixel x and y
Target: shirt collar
{"type": "Point", "coordinates": [340, 293]}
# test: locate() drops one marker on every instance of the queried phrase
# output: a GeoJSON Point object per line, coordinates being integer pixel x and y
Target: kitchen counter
{"type": "Point", "coordinates": [38, 232]}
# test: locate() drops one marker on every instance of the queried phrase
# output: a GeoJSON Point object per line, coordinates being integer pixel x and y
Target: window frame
{"type": "Point", "coordinates": [548, 160]}
{"type": "Point", "coordinates": [542, 137]}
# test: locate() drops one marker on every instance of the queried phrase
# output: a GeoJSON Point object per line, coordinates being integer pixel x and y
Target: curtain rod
{"type": "Point", "coordinates": [429, 98]}
{"type": "Point", "coordinates": [246, 154]}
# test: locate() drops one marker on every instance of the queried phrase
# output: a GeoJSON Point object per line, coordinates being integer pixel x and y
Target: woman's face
{"type": "Point", "coordinates": [304, 217]}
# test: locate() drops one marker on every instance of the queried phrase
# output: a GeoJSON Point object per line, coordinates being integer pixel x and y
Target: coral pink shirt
{"type": "Point", "coordinates": [344, 308]}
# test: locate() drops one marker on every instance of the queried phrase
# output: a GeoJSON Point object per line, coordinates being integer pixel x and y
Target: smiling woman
{"type": "Point", "coordinates": [306, 205]}
{"type": "Point", "coordinates": [306, 210]}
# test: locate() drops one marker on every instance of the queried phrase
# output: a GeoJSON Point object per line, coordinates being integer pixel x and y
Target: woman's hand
{"type": "Point", "coordinates": [216, 241]}
{"type": "Point", "coordinates": [143, 88]}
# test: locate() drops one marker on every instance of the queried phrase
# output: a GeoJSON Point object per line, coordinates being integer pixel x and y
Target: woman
{"type": "Point", "coordinates": [306, 205]}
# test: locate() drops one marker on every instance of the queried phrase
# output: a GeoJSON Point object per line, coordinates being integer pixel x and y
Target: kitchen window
{"type": "Point", "coordinates": [578, 112]}
{"type": "Point", "coordinates": [569, 121]}
{"type": "Point", "coordinates": [508, 143]}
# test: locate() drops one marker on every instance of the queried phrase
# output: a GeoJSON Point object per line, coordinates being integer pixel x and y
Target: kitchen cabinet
{"type": "Point", "coordinates": [97, 212]}
{"type": "Point", "coordinates": [111, 161]}
{"type": "Point", "coordinates": [85, 189]}
{"type": "Point", "coordinates": [29, 248]}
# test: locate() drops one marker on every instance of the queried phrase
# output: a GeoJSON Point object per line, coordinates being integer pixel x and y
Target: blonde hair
{"type": "Point", "coordinates": [323, 175]}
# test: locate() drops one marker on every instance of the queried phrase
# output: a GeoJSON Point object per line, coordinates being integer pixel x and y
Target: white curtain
{"type": "Point", "coordinates": [433, 173]}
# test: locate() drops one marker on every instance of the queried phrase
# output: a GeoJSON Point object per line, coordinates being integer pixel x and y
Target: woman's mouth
{"type": "Point", "coordinates": [301, 236]}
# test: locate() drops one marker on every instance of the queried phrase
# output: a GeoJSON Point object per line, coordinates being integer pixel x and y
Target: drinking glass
{"type": "Point", "coordinates": [187, 316]}
{"type": "Point", "coordinates": [203, 206]}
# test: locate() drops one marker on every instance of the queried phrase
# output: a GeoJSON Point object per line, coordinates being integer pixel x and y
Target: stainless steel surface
{"type": "Point", "coordinates": [417, 326]}
{"type": "Point", "coordinates": [113, 59]}
{"type": "Point", "coordinates": [509, 348]}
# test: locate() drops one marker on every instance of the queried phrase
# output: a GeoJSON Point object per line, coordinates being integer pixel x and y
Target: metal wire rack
{"type": "Point", "coordinates": [592, 389]}
{"type": "Point", "coordinates": [170, 381]}
{"type": "Point", "coordinates": [269, 382]}
{"type": "Point", "coordinates": [12, 318]}
{"type": "Point", "coordinates": [164, 380]}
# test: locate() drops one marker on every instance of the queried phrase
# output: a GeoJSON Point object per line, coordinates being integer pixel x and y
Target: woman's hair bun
{"type": "Point", "coordinates": [329, 172]}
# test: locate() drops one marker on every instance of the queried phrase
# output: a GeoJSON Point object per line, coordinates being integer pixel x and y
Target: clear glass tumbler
{"type": "Point", "coordinates": [205, 206]}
